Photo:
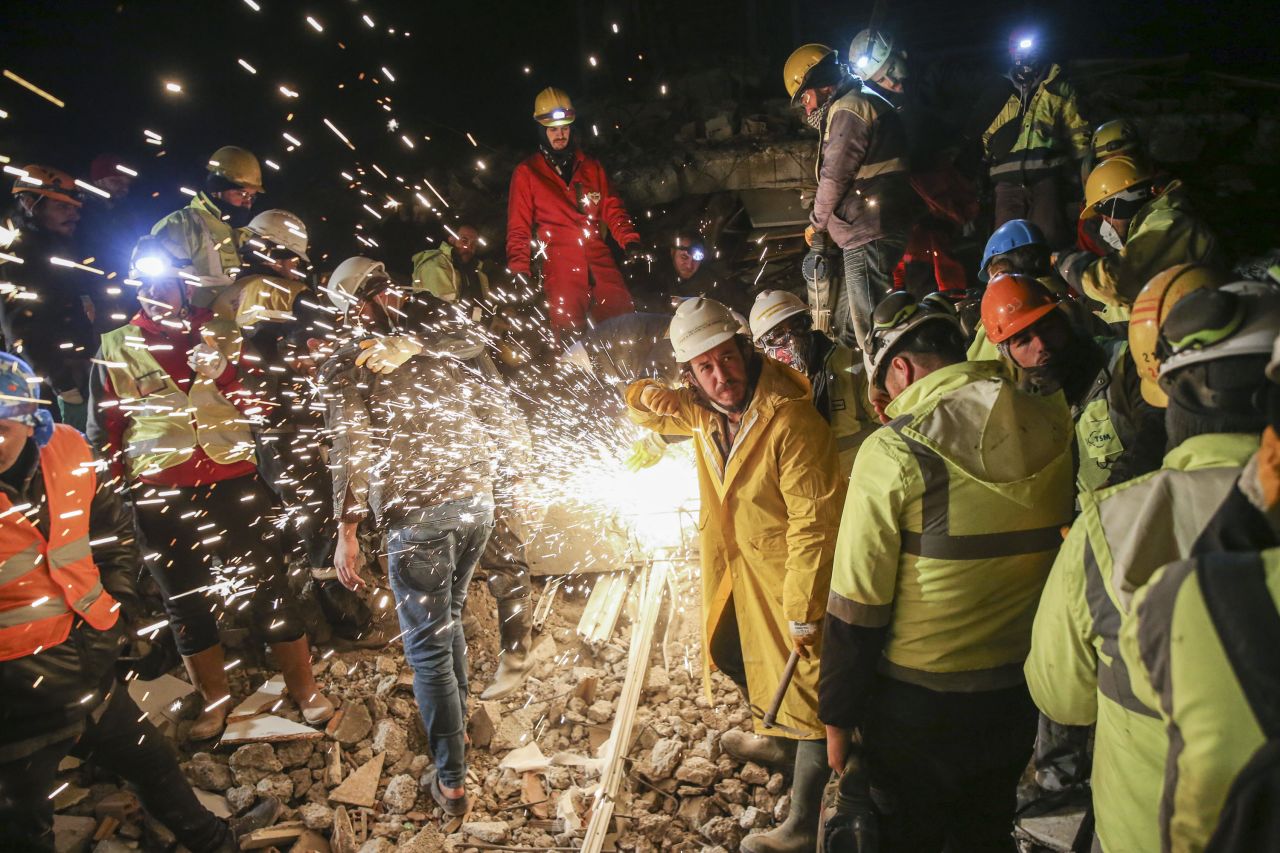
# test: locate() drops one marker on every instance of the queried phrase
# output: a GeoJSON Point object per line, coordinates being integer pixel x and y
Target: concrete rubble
{"type": "Point", "coordinates": [356, 787]}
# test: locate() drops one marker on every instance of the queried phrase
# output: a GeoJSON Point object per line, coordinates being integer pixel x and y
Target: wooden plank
{"type": "Point", "coordinates": [604, 606]}
{"type": "Point", "coordinates": [653, 585]}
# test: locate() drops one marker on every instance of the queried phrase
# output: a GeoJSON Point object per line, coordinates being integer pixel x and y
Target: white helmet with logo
{"type": "Point", "coordinates": [282, 228]}
{"type": "Point", "coordinates": [350, 276]}
{"type": "Point", "coordinates": [771, 308]}
{"type": "Point", "coordinates": [700, 325]}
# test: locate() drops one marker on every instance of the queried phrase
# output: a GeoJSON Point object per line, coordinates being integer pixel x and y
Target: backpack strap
{"type": "Point", "coordinates": [1235, 593]}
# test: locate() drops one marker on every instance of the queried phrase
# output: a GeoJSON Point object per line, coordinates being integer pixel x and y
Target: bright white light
{"type": "Point", "coordinates": [387, 72]}
{"type": "Point", "coordinates": [150, 266]}
{"type": "Point", "coordinates": [247, 67]}
{"type": "Point", "coordinates": [173, 87]}
{"type": "Point", "coordinates": [367, 20]}
{"type": "Point", "coordinates": [592, 60]}
{"type": "Point", "coordinates": [1025, 44]}
{"type": "Point", "coordinates": [864, 61]}
{"type": "Point", "coordinates": [315, 25]}
{"type": "Point", "coordinates": [252, 5]}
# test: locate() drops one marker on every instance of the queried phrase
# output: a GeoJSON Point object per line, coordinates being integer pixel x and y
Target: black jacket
{"type": "Point", "coordinates": [32, 716]}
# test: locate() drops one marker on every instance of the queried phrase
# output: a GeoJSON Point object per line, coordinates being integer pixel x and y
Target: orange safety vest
{"type": "Point", "coordinates": [45, 584]}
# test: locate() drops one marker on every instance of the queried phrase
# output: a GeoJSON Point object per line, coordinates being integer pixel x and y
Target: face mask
{"type": "Point", "coordinates": [1109, 236]}
{"type": "Point", "coordinates": [789, 351]}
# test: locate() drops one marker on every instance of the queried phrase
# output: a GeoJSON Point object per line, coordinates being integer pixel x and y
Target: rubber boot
{"type": "Point", "coordinates": [261, 816]}
{"type": "Point", "coordinates": [761, 749]}
{"type": "Point", "coordinates": [294, 658]}
{"type": "Point", "coordinates": [209, 676]}
{"type": "Point", "coordinates": [799, 832]}
{"type": "Point", "coordinates": [515, 627]}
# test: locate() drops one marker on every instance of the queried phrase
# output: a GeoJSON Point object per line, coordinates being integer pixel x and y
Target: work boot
{"type": "Point", "coordinates": [294, 659]}
{"type": "Point", "coordinates": [761, 749]}
{"type": "Point", "coordinates": [209, 676]}
{"type": "Point", "coordinates": [799, 832]}
{"type": "Point", "coordinates": [515, 627]}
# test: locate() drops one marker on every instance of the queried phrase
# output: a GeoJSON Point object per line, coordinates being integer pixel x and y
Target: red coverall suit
{"type": "Point", "coordinates": [579, 275]}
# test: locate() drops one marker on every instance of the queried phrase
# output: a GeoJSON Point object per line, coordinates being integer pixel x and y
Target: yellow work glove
{"type": "Point", "coordinates": [659, 400]}
{"type": "Point", "coordinates": [808, 235]}
{"type": "Point", "coordinates": [384, 355]}
{"type": "Point", "coordinates": [646, 452]}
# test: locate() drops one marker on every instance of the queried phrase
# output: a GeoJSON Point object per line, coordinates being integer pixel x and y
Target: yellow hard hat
{"type": "Point", "coordinates": [1111, 177]}
{"type": "Point", "coordinates": [48, 182]}
{"type": "Point", "coordinates": [238, 166]}
{"type": "Point", "coordinates": [1115, 137]}
{"type": "Point", "coordinates": [1151, 307]}
{"type": "Point", "coordinates": [801, 62]}
{"type": "Point", "coordinates": [552, 108]}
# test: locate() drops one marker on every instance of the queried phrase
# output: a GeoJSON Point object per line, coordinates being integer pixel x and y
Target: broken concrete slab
{"type": "Point", "coordinates": [343, 837]}
{"type": "Point", "coordinates": [71, 833]}
{"type": "Point", "coordinates": [264, 699]}
{"type": "Point", "coordinates": [361, 787]}
{"type": "Point", "coordinates": [160, 697]}
{"type": "Point", "coordinates": [280, 835]}
{"type": "Point", "coordinates": [215, 803]}
{"type": "Point", "coordinates": [266, 729]}
{"type": "Point", "coordinates": [527, 758]}
{"type": "Point", "coordinates": [311, 842]}
{"type": "Point", "coordinates": [354, 724]}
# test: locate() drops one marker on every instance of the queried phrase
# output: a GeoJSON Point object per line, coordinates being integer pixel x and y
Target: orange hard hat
{"type": "Point", "coordinates": [1012, 303]}
{"type": "Point", "coordinates": [1150, 308]}
{"type": "Point", "coordinates": [48, 182]}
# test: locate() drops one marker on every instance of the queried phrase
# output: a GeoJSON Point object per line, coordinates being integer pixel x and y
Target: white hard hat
{"type": "Point", "coordinates": [771, 308]}
{"type": "Point", "coordinates": [283, 229]}
{"type": "Point", "coordinates": [349, 277]}
{"type": "Point", "coordinates": [869, 53]}
{"type": "Point", "coordinates": [699, 325]}
{"type": "Point", "coordinates": [1242, 318]}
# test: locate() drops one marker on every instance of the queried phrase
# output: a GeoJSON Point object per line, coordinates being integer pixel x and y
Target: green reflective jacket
{"type": "Point", "coordinates": [950, 525]}
{"type": "Point", "coordinates": [197, 232]}
{"type": "Point", "coordinates": [1123, 534]}
{"type": "Point", "coordinates": [1178, 665]}
{"type": "Point", "coordinates": [1036, 132]}
{"type": "Point", "coordinates": [434, 272]}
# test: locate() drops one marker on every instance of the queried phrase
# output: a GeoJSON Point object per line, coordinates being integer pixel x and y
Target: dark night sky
{"type": "Point", "coordinates": [460, 70]}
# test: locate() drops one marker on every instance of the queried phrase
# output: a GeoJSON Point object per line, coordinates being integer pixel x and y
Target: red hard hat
{"type": "Point", "coordinates": [1012, 303]}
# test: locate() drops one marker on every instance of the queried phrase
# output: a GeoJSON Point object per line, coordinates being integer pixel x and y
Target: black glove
{"type": "Point", "coordinates": [814, 265]}
{"type": "Point", "coordinates": [1071, 266]}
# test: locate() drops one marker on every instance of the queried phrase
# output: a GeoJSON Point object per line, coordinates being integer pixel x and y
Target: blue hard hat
{"type": "Point", "coordinates": [1014, 234]}
{"type": "Point", "coordinates": [20, 397]}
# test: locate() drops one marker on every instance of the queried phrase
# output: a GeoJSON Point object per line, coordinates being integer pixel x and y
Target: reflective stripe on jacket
{"type": "Point", "coordinates": [265, 299]}
{"type": "Point", "coordinates": [46, 583]}
{"type": "Point", "coordinates": [769, 511]}
{"type": "Point", "coordinates": [950, 526]}
{"type": "Point", "coordinates": [158, 436]}
{"type": "Point", "coordinates": [1123, 534]}
{"type": "Point", "coordinates": [864, 190]}
{"type": "Point", "coordinates": [1036, 133]}
{"type": "Point", "coordinates": [1179, 665]}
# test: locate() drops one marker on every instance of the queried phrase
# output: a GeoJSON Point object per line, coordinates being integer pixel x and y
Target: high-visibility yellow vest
{"type": "Point", "coordinates": [166, 425]}
{"type": "Point", "coordinates": [852, 419]}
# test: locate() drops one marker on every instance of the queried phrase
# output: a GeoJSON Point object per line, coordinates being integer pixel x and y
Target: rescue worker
{"type": "Point", "coordinates": [559, 205]}
{"type": "Point", "coordinates": [692, 272]}
{"type": "Point", "coordinates": [278, 314]}
{"type": "Point", "coordinates": [770, 495]}
{"type": "Point", "coordinates": [413, 435]}
{"type": "Point", "coordinates": [67, 600]}
{"type": "Point", "coordinates": [782, 328]}
{"type": "Point", "coordinates": [1126, 532]}
{"type": "Point", "coordinates": [1154, 220]}
{"type": "Point", "coordinates": [204, 463]}
{"type": "Point", "coordinates": [1115, 138]}
{"type": "Point", "coordinates": [208, 231]}
{"type": "Point", "coordinates": [864, 203]}
{"type": "Point", "coordinates": [1018, 246]}
{"type": "Point", "coordinates": [950, 526]}
{"type": "Point", "coordinates": [1098, 377]}
{"type": "Point", "coordinates": [1034, 144]}
{"type": "Point", "coordinates": [1187, 647]}
{"type": "Point", "coordinates": [110, 224]}
{"type": "Point", "coordinates": [454, 273]}
{"type": "Point", "coordinates": [47, 318]}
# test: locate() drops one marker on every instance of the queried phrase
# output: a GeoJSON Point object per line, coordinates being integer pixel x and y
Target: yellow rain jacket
{"type": "Point", "coordinates": [262, 299]}
{"type": "Point", "coordinates": [1075, 672]}
{"type": "Point", "coordinates": [1179, 665]}
{"type": "Point", "coordinates": [768, 529]}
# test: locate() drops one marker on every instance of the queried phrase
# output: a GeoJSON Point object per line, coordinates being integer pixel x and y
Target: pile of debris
{"type": "Point", "coordinates": [534, 766]}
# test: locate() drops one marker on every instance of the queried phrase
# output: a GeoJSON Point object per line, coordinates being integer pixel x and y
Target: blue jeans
{"type": "Point", "coordinates": [868, 278]}
{"type": "Point", "coordinates": [429, 562]}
